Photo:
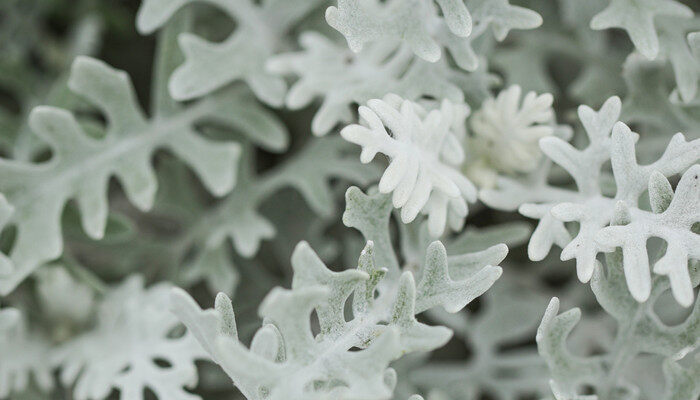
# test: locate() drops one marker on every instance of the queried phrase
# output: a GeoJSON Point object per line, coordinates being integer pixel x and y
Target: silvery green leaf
{"type": "Point", "coordinates": [639, 332]}
{"type": "Point", "coordinates": [672, 225]}
{"type": "Point", "coordinates": [23, 355]}
{"type": "Point", "coordinates": [525, 62]}
{"type": "Point", "coordinates": [259, 32]}
{"type": "Point", "coordinates": [427, 27]}
{"type": "Point", "coordinates": [124, 350]}
{"type": "Point", "coordinates": [506, 133]}
{"type": "Point", "coordinates": [436, 287]}
{"type": "Point", "coordinates": [645, 332]}
{"type": "Point", "coordinates": [215, 268]}
{"type": "Point", "coordinates": [568, 371]}
{"type": "Point", "coordinates": [637, 18]}
{"type": "Point", "coordinates": [651, 102]}
{"type": "Point", "coordinates": [370, 214]}
{"type": "Point", "coordinates": [341, 78]}
{"type": "Point", "coordinates": [677, 46]}
{"type": "Point", "coordinates": [416, 22]}
{"type": "Point", "coordinates": [610, 140]}
{"type": "Point", "coordinates": [81, 166]}
{"type": "Point", "coordinates": [503, 17]}
{"type": "Point", "coordinates": [309, 171]}
{"type": "Point", "coordinates": [681, 383]}
{"type": "Point", "coordinates": [508, 315]}
{"type": "Point", "coordinates": [424, 150]}
{"type": "Point", "coordinates": [289, 360]}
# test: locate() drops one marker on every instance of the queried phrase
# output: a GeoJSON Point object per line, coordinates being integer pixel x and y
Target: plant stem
{"type": "Point", "coordinates": [84, 275]}
{"type": "Point", "coordinates": [625, 350]}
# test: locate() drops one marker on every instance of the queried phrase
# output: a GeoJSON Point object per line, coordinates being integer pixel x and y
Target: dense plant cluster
{"type": "Point", "coordinates": [350, 199]}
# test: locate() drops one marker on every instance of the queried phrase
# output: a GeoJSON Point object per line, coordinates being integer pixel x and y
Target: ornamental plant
{"type": "Point", "coordinates": [350, 200]}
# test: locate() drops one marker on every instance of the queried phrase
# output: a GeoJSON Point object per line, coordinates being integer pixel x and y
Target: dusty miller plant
{"type": "Point", "coordinates": [350, 199]}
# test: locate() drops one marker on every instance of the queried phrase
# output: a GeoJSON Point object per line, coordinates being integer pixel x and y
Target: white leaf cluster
{"type": "Point", "coordinates": [287, 360]}
{"type": "Point", "coordinates": [261, 27]}
{"type": "Point", "coordinates": [125, 204]}
{"type": "Point", "coordinates": [133, 347]}
{"type": "Point", "coordinates": [81, 165]}
{"type": "Point", "coordinates": [425, 153]}
{"type": "Point", "coordinates": [506, 134]}
{"type": "Point", "coordinates": [595, 212]}
{"type": "Point", "coordinates": [23, 355]}
{"type": "Point", "coordinates": [427, 27]}
{"type": "Point", "coordinates": [342, 78]}
{"type": "Point", "coordinates": [639, 332]}
{"type": "Point", "coordinates": [659, 30]}
{"type": "Point", "coordinates": [637, 18]}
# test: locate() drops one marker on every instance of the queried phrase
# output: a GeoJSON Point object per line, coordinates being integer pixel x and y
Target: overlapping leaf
{"type": "Point", "coordinates": [260, 31]}
{"type": "Point", "coordinates": [81, 166]}
{"type": "Point", "coordinates": [594, 211]}
{"type": "Point", "coordinates": [342, 78]}
{"type": "Point", "coordinates": [131, 349]}
{"type": "Point", "coordinates": [427, 29]}
{"type": "Point", "coordinates": [286, 360]}
{"type": "Point", "coordinates": [639, 331]}
{"type": "Point", "coordinates": [23, 355]}
{"type": "Point", "coordinates": [425, 154]}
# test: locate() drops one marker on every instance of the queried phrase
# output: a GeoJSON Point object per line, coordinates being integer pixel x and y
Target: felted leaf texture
{"type": "Point", "coordinates": [131, 349]}
{"type": "Point", "coordinates": [673, 222]}
{"type": "Point", "coordinates": [679, 47]}
{"type": "Point", "coordinates": [342, 78]}
{"type": "Point", "coordinates": [81, 166]}
{"type": "Point", "coordinates": [611, 140]}
{"type": "Point", "coordinates": [200, 249]}
{"type": "Point", "coordinates": [639, 331]}
{"type": "Point", "coordinates": [503, 319]}
{"type": "Point", "coordinates": [260, 31]}
{"type": "Point", "coordinates": [653, 103]}
{"type": "Point", "coordinates": [415, 22]}
{"type": "Point", "coordinates": [637, 18]}
{"type": "Point", "coordinates": [309, 172]}
{"type": "Point", "coordinates": [568, 370]}
{"type": "Point", "coordinates": [652, 335]}
{"type": "Point", "coordinates": [427, 27]}
{"type": "Point", "coordinates": [287, 360]}
{"type": "Point", "coordinates": [506, 134]}
{"type": "Point", "coordinates": [233, 113]}
{"type": "Point", "coordinates": [682, 383]}
{"type": "Point", "coordinates": [425, 154]}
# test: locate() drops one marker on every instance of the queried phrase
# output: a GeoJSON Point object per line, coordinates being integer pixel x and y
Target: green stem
{"type": "Point", "coordinates": [623, 354]}
{"type": "Point", "coordinates": [84, 275]}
